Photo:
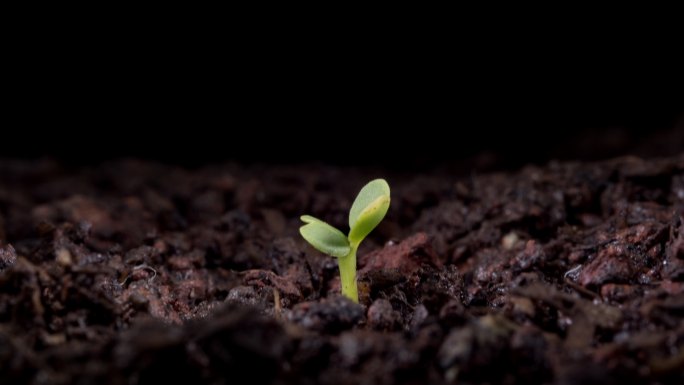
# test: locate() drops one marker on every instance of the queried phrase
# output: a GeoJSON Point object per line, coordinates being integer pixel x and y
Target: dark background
{"type": "Point", "coordinates": [408, 108]}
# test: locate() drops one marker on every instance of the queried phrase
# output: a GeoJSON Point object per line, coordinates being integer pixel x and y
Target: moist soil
{"type": "Point", "coordinates": [134, 272]}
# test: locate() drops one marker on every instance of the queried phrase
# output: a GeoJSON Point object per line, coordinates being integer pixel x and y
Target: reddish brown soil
{"type": "Point", "coordinates": [134, 272]}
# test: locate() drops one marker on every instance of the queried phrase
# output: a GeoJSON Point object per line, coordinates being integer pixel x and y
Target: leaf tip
{"type": "Point", "coordinates": [307, 218]}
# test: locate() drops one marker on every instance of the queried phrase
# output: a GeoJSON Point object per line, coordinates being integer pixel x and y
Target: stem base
{"type": "Point", "coordinates": [347, 267]}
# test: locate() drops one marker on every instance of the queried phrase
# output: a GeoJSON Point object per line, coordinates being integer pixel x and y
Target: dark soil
{"type": "Point", "coordinates": [135, 272]}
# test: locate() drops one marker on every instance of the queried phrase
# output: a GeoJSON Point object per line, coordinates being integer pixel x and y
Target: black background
{"type": "Point", "coordinates": [406, 107]}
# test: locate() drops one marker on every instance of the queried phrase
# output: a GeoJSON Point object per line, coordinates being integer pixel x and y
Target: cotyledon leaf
{"type": "Point", "coordinates": [324, 237]}
{"type": "Point", "coordinates": [368, 209]}
{"type": "Point", "coordinates": [368, 194]}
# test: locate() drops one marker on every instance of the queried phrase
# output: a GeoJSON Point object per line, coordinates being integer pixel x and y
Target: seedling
{"type": "Point", "coordinates": [366, 213]}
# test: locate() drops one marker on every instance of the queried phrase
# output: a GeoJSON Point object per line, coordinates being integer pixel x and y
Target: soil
{"type": "Point", "coordinates": [134, 272]}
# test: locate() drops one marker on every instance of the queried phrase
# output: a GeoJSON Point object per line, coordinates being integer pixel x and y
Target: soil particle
{"type": "Point", "coordinates": [405, 257]}
{"type": "Point", "coordinates": [330, 315]}
{"type": "Point", "coordinates": [381, 316]}
{"type": "Point", "coordinates": [471, 350]}
{"type": "Point", "coordinates": [8, 256]}
{"type": "Point", "coordinates": [617, 293]}
{"type": "Point", "coordinates": [611, 265]}
{"type": "Point", "coordinates": [265, 278]}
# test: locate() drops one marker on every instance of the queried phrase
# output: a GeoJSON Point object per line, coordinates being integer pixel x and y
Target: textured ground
{"type": "Point", "coordinates": [134, 272]}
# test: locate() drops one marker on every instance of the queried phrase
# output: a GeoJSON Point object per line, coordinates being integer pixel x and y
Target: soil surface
{"type": "Point", "coordinates": [134, 272]}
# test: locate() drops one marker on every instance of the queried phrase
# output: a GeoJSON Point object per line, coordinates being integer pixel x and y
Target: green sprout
{"type": "Point", "coordinates": [368, 210]}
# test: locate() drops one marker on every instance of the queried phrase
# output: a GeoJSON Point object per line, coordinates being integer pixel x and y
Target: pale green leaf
{"type": "Point", "coordinates": [368, 209]}
{"type": "Point", "coordinates": [324, 237]}
{"type": "Point", "coordinates": [368, 194]}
